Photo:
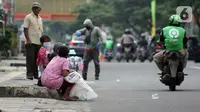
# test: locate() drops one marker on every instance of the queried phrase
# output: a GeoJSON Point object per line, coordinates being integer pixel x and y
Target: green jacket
{"type": "Point", "coordinates": [109, 44]}
{"type": "Point", "coordinates": [174, 38]}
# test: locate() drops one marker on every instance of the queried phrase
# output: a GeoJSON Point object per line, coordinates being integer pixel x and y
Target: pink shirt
{"type": "Point", "coordinates": [42, 57]}
{"type": "Point", "coordinates": [52, 77]}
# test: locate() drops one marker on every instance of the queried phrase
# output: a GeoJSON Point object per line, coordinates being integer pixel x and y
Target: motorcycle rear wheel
{"type": "Point", "coordinates": [127, 60]}
{"type": "Point", "coordinates": [172, 87]}
{"type": "Point", "coordinates": [142, 60]}
{"type": "Point", "coordinates": [109, 59]}
{"type": "Point", "coordinates": [118, 59]}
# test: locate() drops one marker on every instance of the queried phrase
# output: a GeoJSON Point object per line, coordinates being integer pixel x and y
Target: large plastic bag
{"type": "Point", "coordinates": [82, 91]}
{"type": "Point", "coordinates": [73, 77]}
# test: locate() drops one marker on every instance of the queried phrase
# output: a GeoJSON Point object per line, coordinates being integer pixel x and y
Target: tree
{"type": "Point", "coordinates": [96, 11]}
{"type": "Point", "coordinates": [195, 4]}
{"type": "Point", "coordinates": [129, 13]}
{"type": "Point", "coordinates": [135, 14]}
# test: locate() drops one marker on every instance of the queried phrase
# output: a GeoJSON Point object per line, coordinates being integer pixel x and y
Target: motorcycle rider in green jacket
{"type": "Point", "coordinates": [173, 38]}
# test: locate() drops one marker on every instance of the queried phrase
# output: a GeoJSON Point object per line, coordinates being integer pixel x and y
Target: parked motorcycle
{"type": "Point", "coordinates": [75, 62]}
{"type": "Point", "coordinates": [172, 74]}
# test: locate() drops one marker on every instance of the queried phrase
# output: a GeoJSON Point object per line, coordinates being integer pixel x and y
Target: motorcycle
{"type": "Point", "coordinates": [109, 55]}
{"type": "Point", "coordinates": [128, 54]}
{"type": "Point", "coordinates": [75, 62]}
{"type": "Point", "coordinates": [118, 54]}
{"type": "Point", "coordinates": [153, 51]}
{"type": "Point", "coordinates": [172, 75]}
{"type": "Point", "coordinates": [142, 54]}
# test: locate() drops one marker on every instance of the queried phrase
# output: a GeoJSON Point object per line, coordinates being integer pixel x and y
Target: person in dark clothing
{"type": "Point", "coordinates": [143, 42]}
{"type": "Point", "coordinates": [127, 40]}
{"type": "Point", "coordinates": [154, 40]}
{"type": "Point", "coordinates": [92, 41]}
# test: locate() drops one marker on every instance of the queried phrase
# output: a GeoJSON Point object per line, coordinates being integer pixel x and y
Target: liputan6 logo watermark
{"type": "Point", "coordinates": [185, 13]}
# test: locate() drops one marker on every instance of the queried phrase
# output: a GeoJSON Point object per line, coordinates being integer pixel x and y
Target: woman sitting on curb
{"type": "Point", "coordinates": [55, 71]}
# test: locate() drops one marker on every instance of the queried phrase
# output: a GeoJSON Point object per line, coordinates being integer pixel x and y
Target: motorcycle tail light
{"type": "Point", "coordinates": [72, 43]}
{"type": "Point", "coordinates": [198, 49]}
{"type": "Point", "coordinates": [158, 47]}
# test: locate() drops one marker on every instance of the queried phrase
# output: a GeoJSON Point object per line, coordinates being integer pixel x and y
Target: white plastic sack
{"type": "Point", "coordinates": [73, 77]}
{"type": "Point", "coordinates": [83, 91]}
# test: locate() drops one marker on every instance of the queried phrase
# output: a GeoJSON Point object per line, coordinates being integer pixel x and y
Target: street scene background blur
{"type": "Point", "coordinates": [127, 82]}
{"type": "Point", "coordinates": [63, 17]}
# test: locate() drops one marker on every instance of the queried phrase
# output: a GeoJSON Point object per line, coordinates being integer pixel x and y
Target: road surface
{"type": "Point", "coordinates": [135, 87]}
{"type": "Point", "coordinates": [123, 87]}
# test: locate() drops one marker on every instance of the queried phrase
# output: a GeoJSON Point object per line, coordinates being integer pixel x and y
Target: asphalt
{"type": "Point", "coordinates": [123, 87]}
{"type": "Point", "coordinates": [135, 87]}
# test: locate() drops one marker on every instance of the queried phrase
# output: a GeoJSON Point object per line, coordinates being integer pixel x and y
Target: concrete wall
{"type": "Point", "coordinates": [48, 6]}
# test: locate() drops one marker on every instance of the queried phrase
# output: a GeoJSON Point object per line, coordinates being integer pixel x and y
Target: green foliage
{"type": "Point", "coordinates": [95, 11]}
{"type": "Point", "coordinates": [117, 29]}
{"type": "Point", "coordinates": [118, 14]}
{"type": "Point", "coordinates": [121, 14]}
{"type": "Point", "coordinates": [10, 40]}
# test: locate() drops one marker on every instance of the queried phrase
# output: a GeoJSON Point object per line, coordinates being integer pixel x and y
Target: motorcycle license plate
{"type": "Point", "coordinates": [109, 54]}
{"type": "Point", "coordinates": [158, 50]}
{"type": "Point", "coordinates": [127, 49]}
{"type": "Point", "coordinates": [142, 49]}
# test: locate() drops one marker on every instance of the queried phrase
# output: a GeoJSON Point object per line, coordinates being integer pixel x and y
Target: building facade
{"type": "Point", "coordinates": [58, 10]}
{"type": "Point", "coordinates": [48, 6]}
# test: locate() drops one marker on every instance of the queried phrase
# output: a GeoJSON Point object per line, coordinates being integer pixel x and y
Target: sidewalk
{"type": "Point", "coordinates": [41, 105]}
{"type": "Point", "coordinates": [7, 72]}
{"type": "Point", "coordinates": [19, 57]}
{"type": "Point", "coordinates": [13, 84]}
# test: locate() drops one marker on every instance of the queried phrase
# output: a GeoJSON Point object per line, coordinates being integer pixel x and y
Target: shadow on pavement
{"type": "Point", "coordinates": [167, 90]}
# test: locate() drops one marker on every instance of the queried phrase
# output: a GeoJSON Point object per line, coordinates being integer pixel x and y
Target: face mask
{"type": "Point", "coordinates": [47, 44]}
{"type": "Point", "coordinates": [87, 27]}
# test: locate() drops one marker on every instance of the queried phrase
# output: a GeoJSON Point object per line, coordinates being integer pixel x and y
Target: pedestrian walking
{"type": "Point", "coordinates": [92, 41]}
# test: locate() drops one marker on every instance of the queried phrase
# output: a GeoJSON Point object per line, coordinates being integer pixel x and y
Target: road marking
{"type": "Point", "coordinates": [195, 67]}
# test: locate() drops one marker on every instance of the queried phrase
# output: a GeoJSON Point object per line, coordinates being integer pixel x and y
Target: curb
{"type": "Point", "coordinates": [13, 58]}
{"type": "Point", "coordinates": [28, 91]}
{"type": "Point", "coordinates": [18, 64]}
{"type": "Point", "coordinates": [9, 69]}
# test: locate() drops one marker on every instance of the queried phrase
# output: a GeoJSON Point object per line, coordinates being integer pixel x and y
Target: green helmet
{"type": "Point", "coordinates": [174, 20]}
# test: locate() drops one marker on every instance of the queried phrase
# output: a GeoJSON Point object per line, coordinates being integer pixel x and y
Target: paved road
{"type": "Point", "coordinates": [124, 87]}
{"type": "Point", "coordinates": [128, 87]}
